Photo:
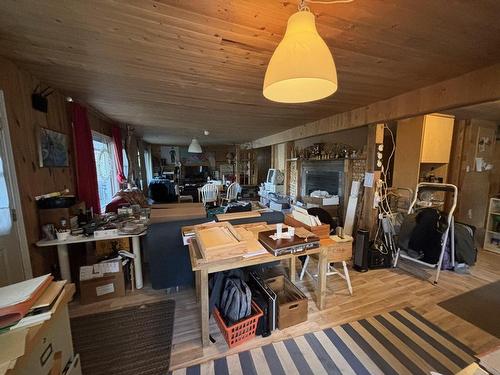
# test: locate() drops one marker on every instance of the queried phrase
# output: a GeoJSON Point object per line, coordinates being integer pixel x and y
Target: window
{"type": "Point", "coordinates": [105, 168]}
{"type": "Point", "coordinates": [5, 218]}
{"type": "Point", "coordinates": [125, 163]}
{"type": "Point", "coordinates": [149, 164]}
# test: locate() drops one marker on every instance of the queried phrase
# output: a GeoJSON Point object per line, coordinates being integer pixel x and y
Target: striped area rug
{"type": "Point", "coordinates": [399, 342]}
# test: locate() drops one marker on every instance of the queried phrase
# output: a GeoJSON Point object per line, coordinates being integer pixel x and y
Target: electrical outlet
{"type": "Point", "coordinates": [469, 213]}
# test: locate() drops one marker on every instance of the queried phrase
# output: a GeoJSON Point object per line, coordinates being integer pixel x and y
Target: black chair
{"type": "Point", "coordinates": [162, 190]}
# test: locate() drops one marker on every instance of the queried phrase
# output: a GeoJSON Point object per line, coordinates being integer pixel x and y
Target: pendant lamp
{"type": "Point", "coordinates": [302, 68]}
{"type": "Point", "coordinates": [195, 147]}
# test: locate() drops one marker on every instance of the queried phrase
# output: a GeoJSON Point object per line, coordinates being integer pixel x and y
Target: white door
{"type": "Point", "coordinates": [14, 257]}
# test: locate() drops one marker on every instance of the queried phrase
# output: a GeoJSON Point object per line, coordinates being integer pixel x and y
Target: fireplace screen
{"type": "Point", "coordinates": [323, 175]}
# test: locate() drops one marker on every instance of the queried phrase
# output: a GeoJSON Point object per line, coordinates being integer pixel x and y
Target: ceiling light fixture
{"type": "Point", "coordinates": [301, 69]}
{"type": "Point", "coordinates": [195, 147]}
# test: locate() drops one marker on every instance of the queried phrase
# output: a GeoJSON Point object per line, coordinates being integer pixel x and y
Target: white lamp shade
{"type": "Point", "coordinates": [302, 67]}
{"type": "Point", "coordinates": [195, 147]}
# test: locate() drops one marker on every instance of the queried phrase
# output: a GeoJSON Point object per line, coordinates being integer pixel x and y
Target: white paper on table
{"type": "Point", "coordinates": [187, 238]}
{"type": "Point", "coordinates": [31, 320]}
{"type": "Point", "coordinates": [284, 235]}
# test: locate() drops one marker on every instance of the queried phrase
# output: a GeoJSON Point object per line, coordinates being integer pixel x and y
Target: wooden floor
{"type": "Point", "coordinates": [375, 292]}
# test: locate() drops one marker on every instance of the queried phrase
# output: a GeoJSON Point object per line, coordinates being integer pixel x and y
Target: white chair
{"type": "Point", "coordinates": [331, 271]}
{"type": "Point", "coordinates": [232, 192]}
{"type": "Point", "coordinates": [182, 198]}
{"type": "Point", "coordinates": [209, 194]}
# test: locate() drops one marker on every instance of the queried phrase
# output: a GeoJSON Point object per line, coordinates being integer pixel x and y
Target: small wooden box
{"type": "Point", "coordinates": [322, 231]}
{"type": "Point", "coordinates": [292, 303]}
{"type": "Point", "coordinates": [341, 251]}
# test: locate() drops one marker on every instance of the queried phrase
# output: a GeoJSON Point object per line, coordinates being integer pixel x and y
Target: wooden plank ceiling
{"type": "Point", "coordinates": [175, 67]}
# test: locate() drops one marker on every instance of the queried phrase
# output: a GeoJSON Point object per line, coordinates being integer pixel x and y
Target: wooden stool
{"type": "Point", "coordinates": [341, 253]}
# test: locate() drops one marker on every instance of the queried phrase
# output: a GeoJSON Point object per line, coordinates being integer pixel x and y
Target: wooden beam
{"type": "Point", "coordinates": [476, 87]}
{"type": "Point", "coordinates": [237, 164]}
{"type": "Point", "coordinates": [288, 154]}
{"type": "Point", "coordinates": [369, 214]}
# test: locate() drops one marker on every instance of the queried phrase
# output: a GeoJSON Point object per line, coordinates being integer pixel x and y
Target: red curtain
{"type": "Point", "coordinates": [117, 140]}
{"type": "Point", "coordinates": [86, 175]}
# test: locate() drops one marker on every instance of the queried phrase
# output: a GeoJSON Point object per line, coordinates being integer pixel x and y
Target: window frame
{"type": "Point", "coordinates": [102, 138]}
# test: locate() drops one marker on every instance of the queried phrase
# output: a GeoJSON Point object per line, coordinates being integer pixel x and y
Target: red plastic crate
{"type": "Point", "coordinates": [242, 331]}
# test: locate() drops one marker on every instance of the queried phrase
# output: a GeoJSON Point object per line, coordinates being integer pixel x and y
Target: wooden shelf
{"type": "Point", "coordinates": [490, 234]}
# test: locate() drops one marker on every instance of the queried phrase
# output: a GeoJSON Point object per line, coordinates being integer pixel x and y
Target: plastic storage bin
{"type": "Point", "coordinates": [241, 331]}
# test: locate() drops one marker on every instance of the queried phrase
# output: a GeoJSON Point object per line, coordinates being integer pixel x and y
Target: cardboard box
{"type": "Point", "coordinates": [331, 201]}
{"type": "Point", "coordinates": [109, 285]}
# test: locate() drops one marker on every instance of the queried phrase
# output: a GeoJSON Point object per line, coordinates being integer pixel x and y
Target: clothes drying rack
{"type": "Point", "coordinates": [449, 231]}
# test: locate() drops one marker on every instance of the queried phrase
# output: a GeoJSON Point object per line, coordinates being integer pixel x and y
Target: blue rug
{"type": "Point", "coordinates": [399, 342]}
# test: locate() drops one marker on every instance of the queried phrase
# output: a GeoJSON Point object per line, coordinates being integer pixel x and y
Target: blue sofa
{"type": "Point", "coordinates": [169, 262]}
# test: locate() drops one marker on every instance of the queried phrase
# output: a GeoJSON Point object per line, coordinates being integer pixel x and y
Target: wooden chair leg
{"type": "Point", "coordinates": [304, 268]}
{"type": "Point", "coordinates": [347, 278]}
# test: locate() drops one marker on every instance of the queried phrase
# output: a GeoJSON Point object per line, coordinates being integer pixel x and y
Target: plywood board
{"type": "Point", "coordinates": [408, 150]}
{"type": "Point", "coordinates": [437, 138]}
{"type": "Point", "coordinates": [237, 215]}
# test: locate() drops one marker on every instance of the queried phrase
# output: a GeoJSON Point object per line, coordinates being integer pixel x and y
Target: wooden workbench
{"type": "Point", "coordinates": [202, 269]}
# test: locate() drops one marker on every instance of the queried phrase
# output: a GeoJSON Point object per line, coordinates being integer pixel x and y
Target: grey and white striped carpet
{"type": "Point", "coordinates": [399, 342]}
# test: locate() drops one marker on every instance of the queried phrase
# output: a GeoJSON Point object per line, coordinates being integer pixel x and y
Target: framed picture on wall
{"type": "Point", "coordinates": [53, 148]}
{"type": "Point", "coordinates": [170, 154]}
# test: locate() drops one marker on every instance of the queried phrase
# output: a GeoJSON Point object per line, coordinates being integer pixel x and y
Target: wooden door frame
{"type": "Point", "coordinates": [10, 169]}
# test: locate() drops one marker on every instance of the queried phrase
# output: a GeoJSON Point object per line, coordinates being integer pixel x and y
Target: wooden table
{"type": "Point", "coordinates": [63, 253]}
{"type": "Point", "coordinates": [202, 269]}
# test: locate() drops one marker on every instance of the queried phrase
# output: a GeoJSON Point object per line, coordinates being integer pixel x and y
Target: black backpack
{"type": "Point", "coordinates": [231, 295]}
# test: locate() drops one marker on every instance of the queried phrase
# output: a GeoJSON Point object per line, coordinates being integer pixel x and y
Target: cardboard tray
{"type": "Point", "coordinates": [322, 231]}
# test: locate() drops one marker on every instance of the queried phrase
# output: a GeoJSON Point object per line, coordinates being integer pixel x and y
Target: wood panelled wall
{"type": "Point", "coordinates": [473, 186]}
{"type": "Point", "coordinates": [24, 124]}
{"type": "Point", "coordinates": [99, 123]}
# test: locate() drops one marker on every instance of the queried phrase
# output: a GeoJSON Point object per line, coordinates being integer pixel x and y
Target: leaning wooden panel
{"type": "Point", "coordinates": [237, 215]}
